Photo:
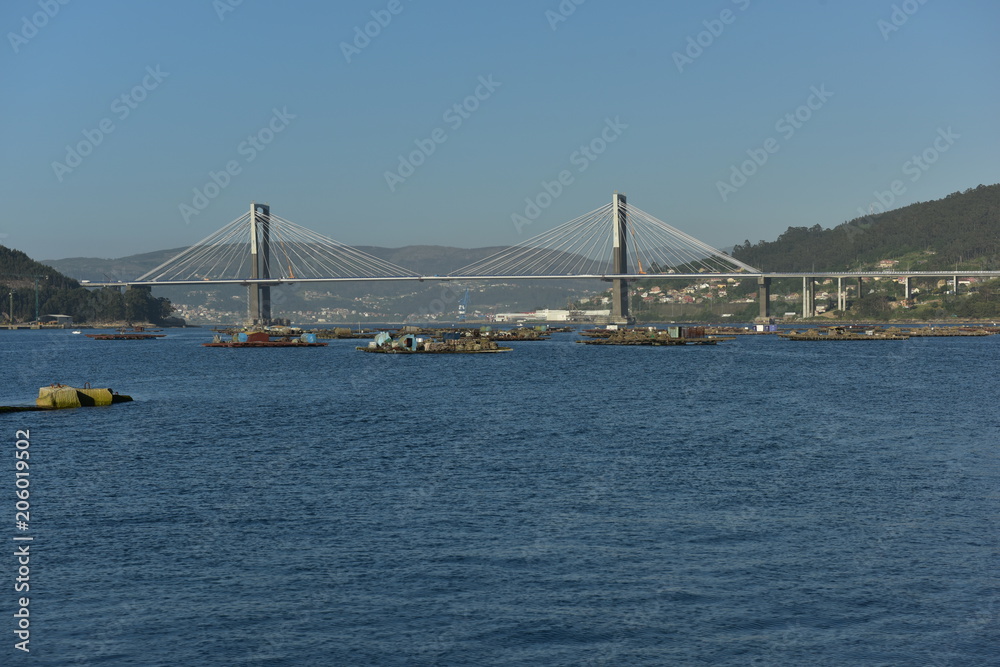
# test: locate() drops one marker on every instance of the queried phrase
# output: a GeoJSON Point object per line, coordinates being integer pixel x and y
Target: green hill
{"type": "Point", "coordinates": [59, 294]}
{"type": "Point", "coordinates": [961, 230]}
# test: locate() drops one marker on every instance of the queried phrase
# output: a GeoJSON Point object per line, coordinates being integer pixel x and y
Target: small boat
{"type": "Point", "coordinates": [77, 332]}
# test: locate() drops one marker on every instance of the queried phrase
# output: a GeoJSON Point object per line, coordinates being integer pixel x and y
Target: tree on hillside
{"type": "Point", "coordinates": [962, 228]}
{"type": "Point", "coordinates": [142, 306]}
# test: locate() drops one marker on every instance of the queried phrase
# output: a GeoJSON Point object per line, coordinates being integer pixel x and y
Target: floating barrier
{"type": "Point", "coordinates": [61, 396]}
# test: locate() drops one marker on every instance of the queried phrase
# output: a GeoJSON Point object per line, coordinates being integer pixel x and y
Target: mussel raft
{"type": "Point", "coordinates": [650, 336]}
{"type": "Point", "coordinates": [263, 339]}
{"type": "Point", "coordinates": [843, 333]}
{"type": "Point", "coordinates": [410, 344]}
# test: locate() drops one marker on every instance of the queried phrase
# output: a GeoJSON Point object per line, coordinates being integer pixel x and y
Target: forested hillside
{"type": "Point", "coordinates": [58, 294]}
{"type": "Point", "coordinates": [963, 230]}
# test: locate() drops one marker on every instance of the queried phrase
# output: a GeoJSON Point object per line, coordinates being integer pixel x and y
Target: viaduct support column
{"type": "Point", "coordinates": [907, 287]}
{"type": "Point", "coordinates": [841, 296]}
{"type": "Point", "coordinates": [808, 291]}
{"type": "Point", "coordinates": [619, 255]}
{"type": "Point", "coordinates": [764, 296]}
{"type": "Point", "coordinates": [260, 263]}
{"type": "Point", "coordinates": [954, 284]}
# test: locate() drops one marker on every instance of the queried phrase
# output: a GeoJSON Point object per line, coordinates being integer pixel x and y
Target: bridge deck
{"type": "Point", "coordinates": [593, 276]}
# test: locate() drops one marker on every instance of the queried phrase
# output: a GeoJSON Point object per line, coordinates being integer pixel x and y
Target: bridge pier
{"type": "Point", "coordinates": [259, 309]}
{"type": "Point", "coordinates": [619, 258]}
{"type": "Point", "coordinates": [808, 296]}
{"type": "Point", "coordinates": [907, 287]}
{"type": "Point", "coordinates": [764, 297]}
{"type": "Point", "coordinates": [841, 295]}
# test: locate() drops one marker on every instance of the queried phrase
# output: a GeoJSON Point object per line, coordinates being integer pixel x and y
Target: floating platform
{"type": "Point", "coordinates": [125, 336]}
{"type": "Point", "coordinates": [842, 334]}
{"type": "Point", "coordinates": [944, 332]}
{"type": "Point", "coordinates": [518, 334]}
{"type": "Point", "coordinates": [380, 350]}
{"type": "Point", "coordinates": [411, 344]}
{"type": "Point", "coordinates": [741, 331]}
{"type": "Point", "coordinates": [270, 343]}
{"type": "Point", "coordinates": [541, 332]}
{"type": "Point", "coordinates": [658, 341]}
{"type": "Point", "coordinates": [650, 336]}
{"type": "Point", "coordinates": [342, 333]}
{"type": "Point", "coordinates": [263, 339]}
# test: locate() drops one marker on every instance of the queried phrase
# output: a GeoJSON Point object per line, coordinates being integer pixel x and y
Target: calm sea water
{"type": "Point", "coordinates": [761, 502]}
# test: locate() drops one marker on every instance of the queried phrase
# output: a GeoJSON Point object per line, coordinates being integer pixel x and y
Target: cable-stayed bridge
{"type": "Point", "coordinates": [615, 242]}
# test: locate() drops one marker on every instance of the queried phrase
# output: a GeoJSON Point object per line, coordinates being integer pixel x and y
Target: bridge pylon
{"type": "Point", "coordinates": [259, 301]}
{"type": "Point", "coordinates": [619, 259]}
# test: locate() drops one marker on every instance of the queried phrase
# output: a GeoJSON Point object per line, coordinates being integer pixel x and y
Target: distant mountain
{"type": "Point", "coordinates": [424, 259]}
{"type": "Point", "coordinates": [960, 229]}
{"type": "Point", "coordinates": [108, 270]}
{"type": "Point", "coordinates": [431, 260]}
{"type": "Point", "coordinates": [963, 227]}
{"type": "Point", "coordinates": [399, 297]}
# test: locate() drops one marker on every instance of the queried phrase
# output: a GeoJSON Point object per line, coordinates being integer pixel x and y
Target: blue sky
{"type": "Point", "coordinates": [162, 95]}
